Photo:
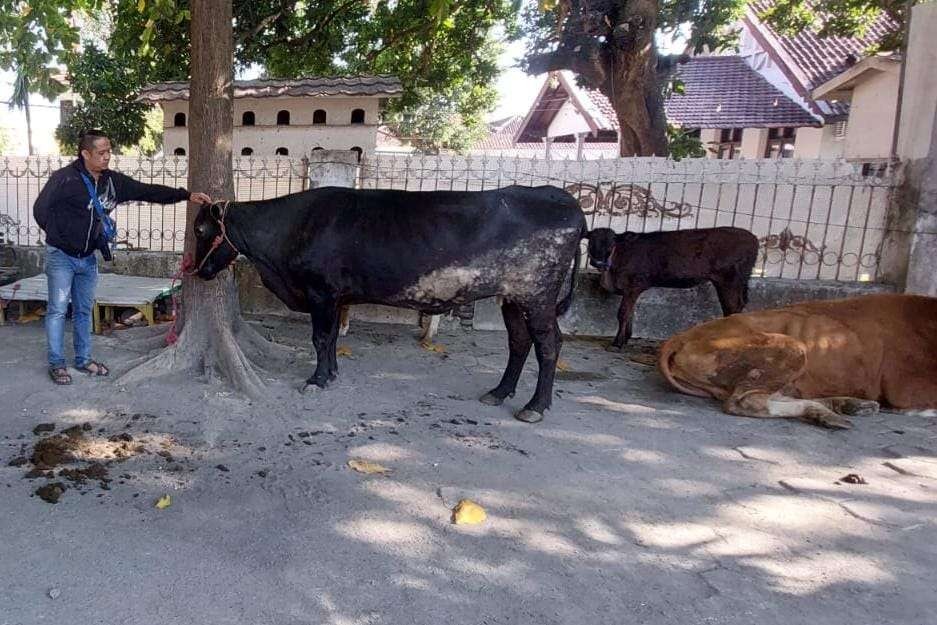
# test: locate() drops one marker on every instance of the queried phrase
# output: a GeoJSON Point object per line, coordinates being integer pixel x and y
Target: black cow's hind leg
{"type": "Point", "coordinates": [545, 332]}
{"type": "Point", "coordinates": [519, 342]}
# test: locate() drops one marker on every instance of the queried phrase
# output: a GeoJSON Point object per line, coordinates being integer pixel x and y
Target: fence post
{"type": "Point", "coordinates": [304, 173]}
{"type": "Point", "coordinates": [332, 168]}
{"type": "Point", "coordinates": [915, 206]}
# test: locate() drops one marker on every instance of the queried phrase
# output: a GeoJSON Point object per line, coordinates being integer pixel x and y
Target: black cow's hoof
{"type": "Point", "coordinates": [312, 387]}
{"type": "Point", "coordinates": [491, 400]}
{"type": "Point", "coordinates": [617, 349]}
{"type": "Point", "coordinates": [529, 416]}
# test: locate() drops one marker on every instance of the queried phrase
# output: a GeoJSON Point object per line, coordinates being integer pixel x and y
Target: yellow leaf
{"type": "Point", "coordinates": [141, 6]}
{"type": "Point", "coordinates": [368, 468]}
{"type": "Point", "coordinates": [163, 502]}
{"type": "Point", "coordinates": [467, 512]}
{"type": "Point", "coordinates": [433, 347]}
{"type": "Point", "coordinates": [343, 351]}
{"type": "Point", "coordinates": [562, 365]}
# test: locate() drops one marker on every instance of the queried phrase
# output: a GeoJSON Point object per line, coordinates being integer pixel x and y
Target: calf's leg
{"type": "Point", "coordinates": [519, 342]}
{"type": "Point", "coordinates": [625, 314]}
{"type": "Point", "coordinates": [731, 291]}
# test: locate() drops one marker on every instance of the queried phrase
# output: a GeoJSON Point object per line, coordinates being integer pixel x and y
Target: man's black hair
{"type": "Point", "coordinates": [88, 138]}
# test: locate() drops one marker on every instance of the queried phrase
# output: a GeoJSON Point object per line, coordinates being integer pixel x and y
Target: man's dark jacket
{"type": "Point", "coordinates": [65, 212]}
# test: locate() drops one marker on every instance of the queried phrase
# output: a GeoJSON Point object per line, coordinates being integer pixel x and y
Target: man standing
{"type": "Point", "coordinates": [72, 209]}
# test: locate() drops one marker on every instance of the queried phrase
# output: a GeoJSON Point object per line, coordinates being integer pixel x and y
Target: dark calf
{"type": "Point", "coordinates": [633, 262]}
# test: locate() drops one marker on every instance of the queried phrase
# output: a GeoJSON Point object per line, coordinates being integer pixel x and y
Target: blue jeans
{"type": "Point", "coordinates": [75, 277]}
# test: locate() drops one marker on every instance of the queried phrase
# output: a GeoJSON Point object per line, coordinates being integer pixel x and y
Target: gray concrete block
{"type": "Point", "coordinates": [661, 313]}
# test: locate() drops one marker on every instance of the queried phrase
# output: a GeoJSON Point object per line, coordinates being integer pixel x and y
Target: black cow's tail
{"type": "Point", "coordinates": [564, 304]}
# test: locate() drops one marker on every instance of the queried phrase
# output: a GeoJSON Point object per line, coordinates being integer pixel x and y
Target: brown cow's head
{"type": "Point", "coordinates": [601, 241]}
{"type": "Point", "coordinates": [214, 251]}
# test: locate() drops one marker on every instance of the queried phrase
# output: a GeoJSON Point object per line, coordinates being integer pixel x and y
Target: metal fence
{"type": "Point", "coordinates": [140, 225]}
{"type": "Point", "coordinates": [815, 219]}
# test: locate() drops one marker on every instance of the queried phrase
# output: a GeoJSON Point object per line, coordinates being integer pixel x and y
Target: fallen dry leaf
{"type": "Point", "coordinates": [163, 502]}
{"type": "Point", "coordinates": [467, 512]}
{"type": "Point", "coordinates": [562, 365]}
{"type": "Point", "coordinates": [433, 347]}
{"type": "Point", "coordinates": [367, 467]}
{"type": "Point", "coordinates": [344, 350]}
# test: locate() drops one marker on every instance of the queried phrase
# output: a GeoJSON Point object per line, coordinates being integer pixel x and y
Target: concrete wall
{"type": "Point", "coordinates": [300, 137]}
{"type": "Point", "coordinates": [661, 313]}
{"type": "Point", "coordinates": [920, 88]}
{"type": "Point", "coordinates": [916, 205]}
{"type": "Point", "coordinates": [872, 117]}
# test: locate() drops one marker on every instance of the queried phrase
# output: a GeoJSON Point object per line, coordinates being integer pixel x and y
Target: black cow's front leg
{"type": "Point", "coordinates": [519, 342]}
{"type": "Point", "coordinates": [545, 332]}
{"type": "Point", "coordinates": [324, 335]}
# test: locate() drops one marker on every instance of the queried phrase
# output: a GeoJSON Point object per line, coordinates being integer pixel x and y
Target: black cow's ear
{"type": "Point", "coordinates": [215, 211]}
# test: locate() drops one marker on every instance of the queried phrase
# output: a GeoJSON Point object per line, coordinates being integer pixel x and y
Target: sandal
{"type": "Point", "coordinates": [60, 375]}
{"type": "Point", "coordinates": [94, 368]}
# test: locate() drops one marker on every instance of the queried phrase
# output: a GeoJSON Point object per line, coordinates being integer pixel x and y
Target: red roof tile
{"type": "Point", "coordinates": [725, 92]}
{"type": "Point", "coordinates": [822, 58]}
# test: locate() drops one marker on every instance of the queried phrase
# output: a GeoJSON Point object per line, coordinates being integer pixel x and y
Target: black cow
{"type": "Point", "coordinates": [321, 249]}
{"type": "Point", "coordinates": [633, 262]}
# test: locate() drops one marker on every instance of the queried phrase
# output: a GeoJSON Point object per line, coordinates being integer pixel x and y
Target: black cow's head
{"type": "Point", "coordinates": [213, 249]}
{"type": "Point", "coordinates": [601, 241]}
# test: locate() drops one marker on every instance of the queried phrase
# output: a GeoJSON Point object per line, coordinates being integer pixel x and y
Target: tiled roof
{"type": "Point", "coordinates": [822, 58]}
{"type": "Point", "coordinates": [725, 92]}
{"type": "Point", "coordinates": [273, 87]}
{"type": "Point", "coordinates": [503, 138]}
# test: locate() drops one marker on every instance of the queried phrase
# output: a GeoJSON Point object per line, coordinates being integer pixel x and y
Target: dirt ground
{"type": "Point", "coordinates": [627, 504]}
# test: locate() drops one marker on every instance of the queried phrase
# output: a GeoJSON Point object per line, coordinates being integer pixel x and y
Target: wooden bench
{"type": "Point", "coordinates": [112, 291]}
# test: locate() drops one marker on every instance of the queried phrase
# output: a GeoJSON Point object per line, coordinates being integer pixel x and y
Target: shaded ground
{"type": "Point", "coordinates": [628, 504]}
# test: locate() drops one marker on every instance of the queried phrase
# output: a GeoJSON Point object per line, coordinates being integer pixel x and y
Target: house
{"type": "Point", "coordinates": [780, 96]}
{"type": "Point", "coordinates": [732, 109]}
{"type": "Point", "coordinates": [274, 117]}
{"type": "Point", "coordinates": [833, 78]}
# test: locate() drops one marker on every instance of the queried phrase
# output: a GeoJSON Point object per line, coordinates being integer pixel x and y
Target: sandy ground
{"type": "Point", "coordinates": [627, 504]}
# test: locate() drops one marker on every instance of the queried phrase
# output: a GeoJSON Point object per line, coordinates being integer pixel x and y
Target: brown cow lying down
{"type": "Point", "coordinates": [633, 262]}
{"type": "Point", "coordinates": [816, 361]}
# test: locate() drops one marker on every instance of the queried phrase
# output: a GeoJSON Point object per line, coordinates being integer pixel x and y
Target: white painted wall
{"type": "Point", "coordinates": [872, 116]}
{"type": "Point", "coordinates": [568, 121]}
{"type": "Point", "coordinates": [754, 142]}
{"type": "Point", "coordinates": [299, 137]}
{"type": "Point", "coordinates": [818, 143]}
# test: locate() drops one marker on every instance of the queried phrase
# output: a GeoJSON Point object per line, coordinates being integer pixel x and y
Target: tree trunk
{"type": "Point", "coordinates": [29, 127]}
{"type": "Point", "coordinates": [212, 328]}
{"type": "Point", "coordinates": [622, 64]}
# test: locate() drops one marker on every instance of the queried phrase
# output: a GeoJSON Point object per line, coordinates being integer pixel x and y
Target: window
{"type": "Point", "coordinates": [730, 143]}
{"type": "Point", "coordinates": [179, 151]}
{"type": "Point", "coordinates": [282, 152]}
{"type": "Point", "coordinates": [875, 169]}
{"type": "Point", "coordinates": [318, 117]}
{"type": "Point", "coordinates": [839, 130]}
{"type": "Point", "coordinates": [247, 119]}
{"type": "Point", "coordinates": [247, 151]}
{"type": "Point", "coordinates": [357, 116]}
{"type": "Point", "coordinates": [178, 120]}
{"type": "Point", "coordinates": [780, 143]}
{"type": "Point", "coordinates": [358, 151]}
{"type": "Point", "coordinates": [283, 118]}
